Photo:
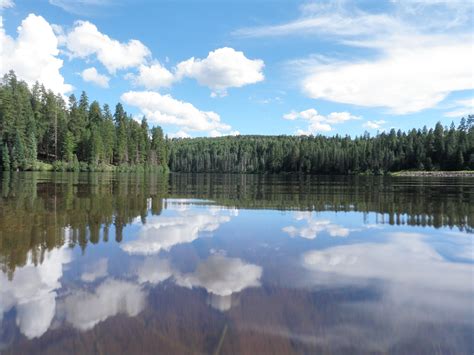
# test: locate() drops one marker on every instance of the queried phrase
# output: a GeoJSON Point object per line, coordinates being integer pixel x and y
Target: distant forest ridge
{"type": "Point", "coordinates": [40, 131]}
{"type": "Point", "coordinates": [441, 148]}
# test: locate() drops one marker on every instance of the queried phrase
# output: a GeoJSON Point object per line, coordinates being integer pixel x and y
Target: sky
{"type": "Point", "coordinates": [226, 67]}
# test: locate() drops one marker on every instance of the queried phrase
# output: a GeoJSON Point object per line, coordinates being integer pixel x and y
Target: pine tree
{"type": "Point", "coordinates": [18, 153]}
{"type": "Point", "coordinates": [5, 158]}
{"type": "Point", "coordinates": [121, 152]}
{"type": "Point", "coordinates": [68, 147]}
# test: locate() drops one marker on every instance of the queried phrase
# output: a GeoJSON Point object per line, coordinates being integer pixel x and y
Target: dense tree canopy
{"type": "Point", "coordinates": [37, 125]}
{"type": "Point", "coordinates": [441, 148]}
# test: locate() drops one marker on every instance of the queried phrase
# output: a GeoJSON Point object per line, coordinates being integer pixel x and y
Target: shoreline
{"type": "Point", "coordinates": [464, 173]}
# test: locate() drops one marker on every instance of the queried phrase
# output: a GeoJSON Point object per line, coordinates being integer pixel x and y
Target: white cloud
{"type": "Point", "coordinates": [5, 4]}
{"type": "Point", "coordinates": [376, 124]}
{"type": "Point", "coordinates": [154, 270]}
{"type": "Point", "coordinates": [84, 309]}
{"type": "Point", "coordinates": [152, 77]}
{"type": "Point", "coordinates": [32, 292]}
{"type": "Point", "coordinates": [332, 23]}
{"type": "Point", "coordinates": [33, 55]}
{"type": "Point", "coordinates": [222, 69]}
{"type": "Point", "coordinates": [79, 7]}
{"type": "Point", "coordinates": [164, 109]}
{"type": "Point", "coordinates": [405, 259]}
{"type": "Point", "coordinates": [315, 226]}
{"type": "Point", "coordinates": [411, 74]}
{"type": "Point", "coordinates": [417, 52]}
{"type": "Point", "coordinates": [95, 270]}
{"type": "Point", "coordinates": [216, 133]}
{"type": "Point", "coordinates": [163, 233]}
{"type": "Point", "coordinates": [85, 40]}
{"type": "Point", "coordinates": [463, 108]}
{"type": "Point", "coordinates": [346, 19]}
{"type": "Point", "coordinates": [179, 134]}
{"type": "Point", "coordinates": [221, 303]}
{"type": "Point", "coordinates": [413, 285]}
{"type": "Point", "coordinates": [317, 122]}
{"type": "Point", "coordinates": [222, 276]}
{"type": "Point", "coordinates": [93, 76]}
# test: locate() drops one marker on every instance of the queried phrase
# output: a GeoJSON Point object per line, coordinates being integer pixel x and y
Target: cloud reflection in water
{"type": "Point", "coordinates": [33, 292]}
{"type": "Point", "coordinates": [162, 233]}
{"type": "Point", "coordinates": [314, 227]}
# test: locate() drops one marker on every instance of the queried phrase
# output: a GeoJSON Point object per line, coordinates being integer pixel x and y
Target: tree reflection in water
{"type": "Point", "coordinates": [127, 263]}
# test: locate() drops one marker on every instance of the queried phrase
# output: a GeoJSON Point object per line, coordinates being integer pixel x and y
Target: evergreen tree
{"type": "Point", "coordinates": [68, 147]}
{"type": "Point", "coordinates": [18, 153]}
{"type": "Point", "coordinates": [5, 158]}
{"type": "Point", "coordinates": [37, 124]}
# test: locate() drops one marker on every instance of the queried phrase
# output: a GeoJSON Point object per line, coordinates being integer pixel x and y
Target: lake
{"type": "Point", "coordinates": [223, 264]}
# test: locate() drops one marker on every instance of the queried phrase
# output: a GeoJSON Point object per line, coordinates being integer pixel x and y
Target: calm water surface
{"type": "Point", "coordinates": [223, 264]}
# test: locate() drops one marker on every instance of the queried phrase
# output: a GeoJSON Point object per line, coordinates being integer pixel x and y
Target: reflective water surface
{"type": "Point", "coordinates": [223, 264]}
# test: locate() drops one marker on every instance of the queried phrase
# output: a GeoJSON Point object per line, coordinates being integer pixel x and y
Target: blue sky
{"type": "Point", "coordinates": [209, 68]}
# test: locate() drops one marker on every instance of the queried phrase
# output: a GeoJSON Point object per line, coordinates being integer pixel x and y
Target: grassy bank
{"type": "Point", "coordinates": [63, 166]}
{"type": "Point", "coordinates": [460, 173]}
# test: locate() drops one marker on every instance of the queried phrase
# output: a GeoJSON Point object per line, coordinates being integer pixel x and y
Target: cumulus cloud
{"type": "Point", "coordinates": [376, 124]}
{"type": "Point", "coordinates": [412, 285]}
{"type": "Point", "coordinates": [85, 40]}
{"type": "Point", "coordinates": [33, 55]}
{"type": "Point", "coordinates": [222, 69]}
{"type": "Point", "coordinates": [164, 109]}
{"type": "Point", "coordinates": [154, 270]}
{"type": "Point", "coordinates": [152, 76]}
{"type": "Point", "coordinates": [85, 309]}
{"type": "Point", "coordinates": [216, 133]}
{"type": "Point", "coordinates": [163, 233]}
{"type": "Point", "coordinates": [222, 276]}
{"type": "Point", "coordinates": [313, 227]}
{"type": "Point", "coordinates": [93, 76]}
{"type": "Point", "coordinates": [179, 134]}
{"type": "Point", "coordinates": [221, 303]}
{"type": "Point", "coordinates": [32, 292]}
{"type": "Point", "coordinates": [95, 270]}
{"type": "Point", "coordinates": [438, 286]}
{"type": "Point", "coordinates": [317, 122]}
{"type": "Point", "coordinates": [405, 259]}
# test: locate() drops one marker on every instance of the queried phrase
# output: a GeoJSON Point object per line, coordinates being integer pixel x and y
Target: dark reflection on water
{"type": "Point", "coordinates": [235, 264]}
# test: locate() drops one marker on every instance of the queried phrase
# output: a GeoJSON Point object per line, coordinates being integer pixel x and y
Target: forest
{"type": "Point", "coordinates": [441, 148]}
{"type": "Point", "coordinates": [40, 131]}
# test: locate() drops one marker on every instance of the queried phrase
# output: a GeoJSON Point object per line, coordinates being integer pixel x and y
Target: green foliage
{"type": "Point", "coordinates": [5, 158]}
{"type": "Point", "coordinates": [18, 153]}
{"type": "Point", "coordinates": [68, 147]}
{"type": "Point", "coordinates": [37, 125]}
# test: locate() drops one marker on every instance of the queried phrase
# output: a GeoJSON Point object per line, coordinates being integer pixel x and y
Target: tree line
{"type": "Point", "coordinates": [441, 148]}
{"type": "Point", "coordinates": [37, 125]}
